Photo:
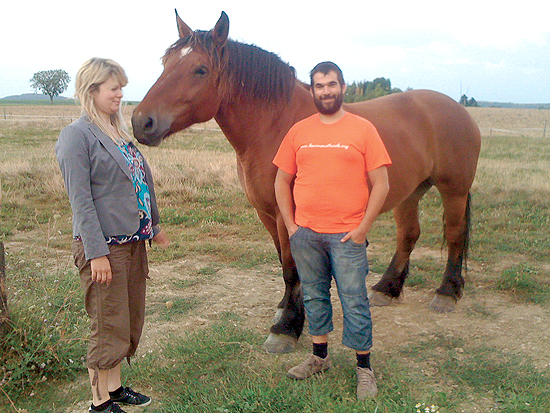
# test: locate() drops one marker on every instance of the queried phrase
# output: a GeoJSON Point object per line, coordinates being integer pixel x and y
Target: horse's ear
{"type": "Point", "coordinates": [183, 29]}
{"type": "Point", "coordinates": [221, 30]}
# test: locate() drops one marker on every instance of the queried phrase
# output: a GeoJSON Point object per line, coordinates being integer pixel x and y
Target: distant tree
{"type": "Point", "coordinates": [51, 82]}
{"type": "Point", "coordinates": [464, 101]}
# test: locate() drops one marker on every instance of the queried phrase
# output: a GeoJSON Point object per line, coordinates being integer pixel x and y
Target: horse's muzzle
{"type": "Point", "coordinates": [149, 129]}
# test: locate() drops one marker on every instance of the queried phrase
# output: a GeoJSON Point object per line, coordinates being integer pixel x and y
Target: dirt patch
{"type": "Point", "coordinates": [482, 317]}
{"type": "Point", "coordinates": [250, 294]}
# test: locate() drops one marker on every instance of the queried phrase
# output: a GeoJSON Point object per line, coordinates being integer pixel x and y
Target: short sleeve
{"type": "Point", "coordinates": [285, 158]}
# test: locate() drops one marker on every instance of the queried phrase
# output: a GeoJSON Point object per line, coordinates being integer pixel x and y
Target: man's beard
{"type": "Point", "coordinates": [333, 107]}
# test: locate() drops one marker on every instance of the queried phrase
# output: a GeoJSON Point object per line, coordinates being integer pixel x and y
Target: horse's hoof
{"type": "Point", "coordinates": [443, 303]}
{"type": "Point", "coordinates": [378, 299]}
{"type": "Point", "coordinates": [277, 317]}
{"type": "Point", "coordinates": [280, 344]}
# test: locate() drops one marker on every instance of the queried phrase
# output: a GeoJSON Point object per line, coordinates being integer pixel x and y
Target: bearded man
{"type": "Point", "coordinates": [326, 163]}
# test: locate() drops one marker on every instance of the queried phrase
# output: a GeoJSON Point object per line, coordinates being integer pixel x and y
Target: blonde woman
{"type": "Point", "coordinates": [114, 212]}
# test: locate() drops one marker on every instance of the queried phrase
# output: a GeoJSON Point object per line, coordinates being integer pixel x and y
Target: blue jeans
{"type": "Point", "coordinates": [319, 257]}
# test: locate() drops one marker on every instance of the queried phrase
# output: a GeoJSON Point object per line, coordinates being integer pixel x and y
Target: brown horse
{"type": "Point", "coordinates": [255, 98]}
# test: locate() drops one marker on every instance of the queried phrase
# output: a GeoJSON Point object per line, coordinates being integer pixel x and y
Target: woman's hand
{"type": "Point", "coordinates": [162, 239]}
{"type": "Point", "coordinates": [101, 270]}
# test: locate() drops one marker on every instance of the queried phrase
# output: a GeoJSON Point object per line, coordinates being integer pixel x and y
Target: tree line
{"type": "Point", "coordinates": [464, 101]}
{"type": "Point", "coordinates": [366, 90]}
{"type": "Point", "coordinates": [55, 82]}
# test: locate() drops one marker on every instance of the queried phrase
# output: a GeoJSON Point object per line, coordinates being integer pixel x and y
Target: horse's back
{"type": "Point", "coordinates": [429, 137]}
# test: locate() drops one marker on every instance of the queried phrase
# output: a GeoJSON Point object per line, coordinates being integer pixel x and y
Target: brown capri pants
{"type": "Point", "coordinates": [117, 310]}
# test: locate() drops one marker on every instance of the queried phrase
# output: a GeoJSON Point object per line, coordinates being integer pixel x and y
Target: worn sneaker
{"type": "Point", "coordinates": [111, 408]}
{"type": "Point", "coordinates": [366, 383]}
{"type": "Point", "coordinates": [130, 397]}
{"type": "Point", "coordinates": [309, 367]}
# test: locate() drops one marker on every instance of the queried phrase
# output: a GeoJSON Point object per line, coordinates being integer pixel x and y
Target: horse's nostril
{"type": "Point", "coordinates": [150, 124]}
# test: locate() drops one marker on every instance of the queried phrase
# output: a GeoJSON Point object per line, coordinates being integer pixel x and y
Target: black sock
{"type": "Point", "coordinates": [102, 406]}
{"type": "Point", "coordinates": [320, 350]}
{"type": "Point", "coordinates": [363, 360]}
{"type": "Point", "coordinates": [117, 392]}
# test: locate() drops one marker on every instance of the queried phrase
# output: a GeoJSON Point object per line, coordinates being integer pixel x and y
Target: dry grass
{"type": "Point", "coordinates": [181, 170]}
{"type": "Point", "coordinates": [177, 170]}
{"type": "Point", "coordinates": [491, 121]}
{"type": "Point", "coordinates": [54, 115]}
{"type": "Point", "coordinates": [534, 123]}
{"type": "Point", "coordinates": [515, 175]}
{"type": "Point", "coordinates": [50, 116]}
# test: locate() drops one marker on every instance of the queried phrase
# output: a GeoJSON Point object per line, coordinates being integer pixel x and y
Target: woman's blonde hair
{"type": "Point", "coordinates": [93, 73]}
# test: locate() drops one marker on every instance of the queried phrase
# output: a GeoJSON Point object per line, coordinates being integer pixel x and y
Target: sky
{"type": "Point", "coordinates": [489, 50]}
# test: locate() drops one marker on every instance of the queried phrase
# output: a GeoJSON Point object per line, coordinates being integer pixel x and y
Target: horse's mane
{"type": "Point", "coordinates": [246, 71]}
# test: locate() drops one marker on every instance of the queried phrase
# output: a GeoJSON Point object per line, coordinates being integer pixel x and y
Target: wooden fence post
{"type": "Point", "coordinates": [4, 315]}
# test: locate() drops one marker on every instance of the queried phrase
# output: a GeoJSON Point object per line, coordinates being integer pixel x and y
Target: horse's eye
{"type": "Point", "coordinates": [201, 71]}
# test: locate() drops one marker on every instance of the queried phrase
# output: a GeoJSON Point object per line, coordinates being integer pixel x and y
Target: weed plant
{"type": "Point", "coordinates": [46, 341]}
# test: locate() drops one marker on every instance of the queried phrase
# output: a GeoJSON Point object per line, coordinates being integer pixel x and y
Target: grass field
{"type": "Point", "coordinates": [213, 292]}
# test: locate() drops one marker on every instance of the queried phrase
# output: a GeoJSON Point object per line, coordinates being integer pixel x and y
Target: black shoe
{"type": "Point", "coordinates": [130, 397]}
{"type": "Point", "coordinates": [111, 408]}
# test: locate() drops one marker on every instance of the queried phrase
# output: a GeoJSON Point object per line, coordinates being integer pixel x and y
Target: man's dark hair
{"type": "Point", "coordinates": [324, 68]}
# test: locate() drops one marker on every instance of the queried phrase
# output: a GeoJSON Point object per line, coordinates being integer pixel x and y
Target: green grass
{"type": "Point", "coordinates": [46, 340]}
{"type": "Point", "coordinates": [229, 380]}
{"type": "Point", "coordinates": [512, 223]}
{"type": "Point", "coordinates": [474, 372]}
{"type": "Point", "coordinates": [171, 308]}
{"type": "Point", "coordinates": [221, 369]}
{"type": "Point", "coordinates": [220, 366]}
{"type": "Point", "coordinates": [524, 283]}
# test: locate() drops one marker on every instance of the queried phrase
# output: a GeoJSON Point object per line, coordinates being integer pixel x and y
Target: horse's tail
{"type": "Point", "coordinates": [468, 218]}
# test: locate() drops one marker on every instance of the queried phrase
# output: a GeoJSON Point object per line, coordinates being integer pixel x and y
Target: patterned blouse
{"type": "Point", "coordinates": [135, 162]}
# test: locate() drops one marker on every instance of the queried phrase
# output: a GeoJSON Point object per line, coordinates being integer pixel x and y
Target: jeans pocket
{"type": "Point", "coordinates": [363, 244]}
{"type": "Point", "coordinates": [296, 233]}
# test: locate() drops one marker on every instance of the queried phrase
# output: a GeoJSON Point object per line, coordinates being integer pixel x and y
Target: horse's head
{"type": "Point", "coordinates": [187, 91]}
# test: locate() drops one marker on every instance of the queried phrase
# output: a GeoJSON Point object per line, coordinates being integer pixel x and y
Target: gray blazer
{"type": "Point", "coordinates": [100, 187]}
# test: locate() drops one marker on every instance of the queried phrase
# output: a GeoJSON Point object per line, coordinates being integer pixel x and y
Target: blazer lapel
{"type": "Point", "coordinates": [111, 147]}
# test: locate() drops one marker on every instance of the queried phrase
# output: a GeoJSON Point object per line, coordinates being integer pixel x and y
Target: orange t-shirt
{"type": "Point", "coordinates": [331, 162]}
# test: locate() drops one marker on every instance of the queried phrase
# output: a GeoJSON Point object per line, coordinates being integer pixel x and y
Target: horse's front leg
{"type": "Point", "coordinates": [289, 318]}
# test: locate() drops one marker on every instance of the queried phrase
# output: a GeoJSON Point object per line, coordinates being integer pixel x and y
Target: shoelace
{"type": "Point", "coordinates": [314, 361]}
{"type": "Point", "coordinates": [132, 395]}
{"type": "Point", "coordinates": [365, 378]}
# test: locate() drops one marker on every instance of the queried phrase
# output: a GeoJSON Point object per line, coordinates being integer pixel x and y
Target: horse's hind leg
{"type": "Point", "coordinates": [457, 220]}
{"type": "Point", "coordinates": [408, 230]}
